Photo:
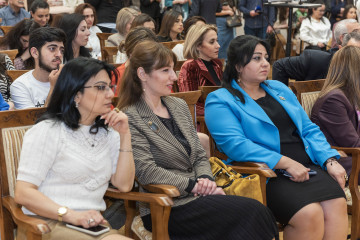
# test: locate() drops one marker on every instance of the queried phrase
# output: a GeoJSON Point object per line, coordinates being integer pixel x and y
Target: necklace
{"type": "Point", "coordinates": [90, 140]}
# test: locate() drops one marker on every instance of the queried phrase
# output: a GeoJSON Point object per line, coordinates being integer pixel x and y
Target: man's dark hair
{"type": "Point", "coordinates": [40, 36]}
{"type": "Point", "coordinates": [38, 4]}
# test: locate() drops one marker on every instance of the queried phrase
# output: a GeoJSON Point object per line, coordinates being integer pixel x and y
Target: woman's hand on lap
{"type": "Point", "coordinates": [337, 172]}
{"type": "Point", "coordinates": [83, 218]}
{"type": "Point", "coordinates": [204, 187]}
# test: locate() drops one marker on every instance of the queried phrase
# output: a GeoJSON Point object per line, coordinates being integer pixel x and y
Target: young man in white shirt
{"type": "Point", "coordinates": [32, 88]}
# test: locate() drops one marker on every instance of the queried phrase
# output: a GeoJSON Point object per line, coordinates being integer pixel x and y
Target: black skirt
{"type": "Point", "coordinates": [220, 217]}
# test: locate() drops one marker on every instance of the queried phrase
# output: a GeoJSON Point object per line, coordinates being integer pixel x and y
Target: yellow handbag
{"type": "Point", "coordinates": [234, 183]}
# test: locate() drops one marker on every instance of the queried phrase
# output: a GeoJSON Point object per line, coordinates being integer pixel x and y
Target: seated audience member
{"type": "Point", "coordinates": [90, 17]}
{"type": "Point", "coordinates": [262, 121]}
{"type": "Point", "coordinates": [107, 11]}
{"type": "Point", "coordinates": [135, 36]}
{"type": "Point", "coordinates": [203, 68]}
{"type": "Point", "coordinates": [312, 64]}
{"type": "Point", "coordinates": [337, 9]}
{"type": "Point", "coordinates": [143, 20]}
{"type": "Point", "coordinates": [171, 27]}
{"type": "Point", "coordinates": [179, 48]}
{"type": "Point", "coordinates": [5, 80]}
{"type": "Point", "coordinates": [123, 24]}
{"type": "Point", "coordinates": [92, 145]}
{"type": "Point", "coordinates": [77, 36]}
{"type": "Point", "coordinates": [40, 12]}
{"type": "Point", "coordinates": [316, 29]}
{"type": "Point", "coordinates": [349, 13]}
{"type": "Point", "coordinates": [13, 13]}
{"type": "Point", "coordinates": [335, 111]}
{"type": "Point", "coordinates": [32, 88]}
{"type": "Point", "coordinates": [18, 38]}
{"type": "Point", "coordinates": [170, 134]}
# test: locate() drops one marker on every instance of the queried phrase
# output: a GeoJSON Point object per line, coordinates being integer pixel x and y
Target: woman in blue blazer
{"type": "Point", "coordinates": [262, 121]}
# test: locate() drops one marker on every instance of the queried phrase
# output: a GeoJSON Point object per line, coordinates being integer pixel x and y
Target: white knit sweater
{"type": "Point", "coordinates": [73, 168]}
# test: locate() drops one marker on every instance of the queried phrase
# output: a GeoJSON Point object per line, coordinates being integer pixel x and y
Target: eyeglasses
{"type": "Point", "coordinates": [101, 88]}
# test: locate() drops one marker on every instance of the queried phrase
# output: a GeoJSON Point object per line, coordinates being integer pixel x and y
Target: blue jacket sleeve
{"type": "Point", "coordinates": [3, 105]}
{"type": "Point", "coordinates": [226, 129]}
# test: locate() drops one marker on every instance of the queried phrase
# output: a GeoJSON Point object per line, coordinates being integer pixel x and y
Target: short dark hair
{"type": "Point", "coordinates": [80, 10]}
{"type": "Point", "coordinates": [139, 20]}
{"type": "Point", "coordinates": [69, 24]}
{"type": "Point", "coordinates": [38, 4]}
{"type": "Point", "coordinates": [72, 79]}
{"type": "Point", "coordinates": [40, 36]}
{"type": "Point", "coordinates": [239, 54]}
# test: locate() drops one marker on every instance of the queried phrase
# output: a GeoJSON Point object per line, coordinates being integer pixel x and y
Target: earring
{"type": "Point", "coordinates": [143, 89]}
{"type": "Point", "coordinates": [76, 104]}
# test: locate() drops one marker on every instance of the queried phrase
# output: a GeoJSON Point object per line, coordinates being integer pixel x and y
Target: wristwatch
{"type": "Point", "coordinates": [61, 212]}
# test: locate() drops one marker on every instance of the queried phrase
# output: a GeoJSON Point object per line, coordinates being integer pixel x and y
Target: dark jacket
{"type": "Point", "coordinates": [337, 119]}
{"type": "Point", "coordinates": [310, 65]}
{"type": "Point", "coordinates": [150, 8]}
{"type": "Point", "coordinates": [107, 10]}
{"type": "Point", "coordinates": [206, 9]}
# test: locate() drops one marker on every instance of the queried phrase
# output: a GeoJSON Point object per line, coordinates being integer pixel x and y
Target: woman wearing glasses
{"type": "Point", "coordinates": [75, 149]}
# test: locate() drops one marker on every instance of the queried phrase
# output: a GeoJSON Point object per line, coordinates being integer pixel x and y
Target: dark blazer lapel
{"type": "Point", "coordinates": [204, 72]}
{"type": "Point", "coordinates": [154, 123]}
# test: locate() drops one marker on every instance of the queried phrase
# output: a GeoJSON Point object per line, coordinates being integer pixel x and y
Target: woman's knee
{"type": "Point", "coordinates": [334, 208]}
{"type": "Point", "coordinates": [310, 216]}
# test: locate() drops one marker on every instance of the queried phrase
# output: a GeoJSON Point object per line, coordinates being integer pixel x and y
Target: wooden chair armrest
{"type": "Point", "coordinates": [169, 190]}
{"type": "Point", "coordinates": [253, 168]}
{"type": "Point", "coordinates": [31, 224]}
{"type": "Point", "coordinates": [159, 199]}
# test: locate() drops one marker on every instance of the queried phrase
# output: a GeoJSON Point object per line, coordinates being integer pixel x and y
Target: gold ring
{"type": "Point", "coordinates": [116, 110]}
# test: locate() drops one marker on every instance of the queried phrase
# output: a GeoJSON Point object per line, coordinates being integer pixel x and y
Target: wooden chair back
{"type": "Point", "coordinates": [307, 92]}
{"type": "Point", "coordinates": [110, 54]}
{"type": "Point", "coordinates": [191, 98]}
{"type": "Point", "coordinates": [13, 125]}
{"type": "Point", "coordinates": [14, 74]}
{"type": "Point", "coordinates": [11, 53]}
{"type": "Point", "coordinates": [178, 65]}
{"type": "Point", "coordinates": [6, 29]}
{"type": "Point", "coordinates": [172, 44]}
{"type": "Point", "coordinates": [103, 37]}
{"type": "Point", "coordinates": [205, 90]}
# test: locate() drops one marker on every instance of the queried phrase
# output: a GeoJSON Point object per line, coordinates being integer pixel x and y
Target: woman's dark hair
{"type": "Point", "coordinates": [239, 54]}
{"type": "Point", "coordinates": [168, 21]}
{"type": "Point", "coordinates": [72, 79]}
{"type": "Point", "coordinates": [38, 4]}
{"type": "Point", "coordinates": [141, 19]}
{"type": "Point", "coordinates": [310, 10]}
{"type": "Point", "coordinates": [80, 10]}
{"type": "Point", "coordinates": [11, 40]}
{"type": "Point", "coordinates": [150, 56]}
{"type": "Point", "coordinates": [347, 9]}
{"type": "Point", "coordinates": [191, 21]}
{"type": "Point", "coordinates": [70, 23]}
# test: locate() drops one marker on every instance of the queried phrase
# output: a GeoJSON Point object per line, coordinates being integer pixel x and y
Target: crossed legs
{"type": "Point", "coordinates": [325, 220]}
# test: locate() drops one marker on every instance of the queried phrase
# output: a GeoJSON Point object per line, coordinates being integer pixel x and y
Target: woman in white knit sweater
{"type": "Point", "coordinates": [75, 149]}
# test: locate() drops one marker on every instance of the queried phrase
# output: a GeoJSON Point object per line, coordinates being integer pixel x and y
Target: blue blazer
{"type": "Point", "coordinates": [244, 132]}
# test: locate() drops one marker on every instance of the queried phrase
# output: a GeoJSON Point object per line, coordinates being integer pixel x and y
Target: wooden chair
{"type": "Point", "coordinates": [191, 99]}
{"type": "Point", "coordinates": [11, 53]}
{"type": "Point", "coordinates": [6, 29]}
{"type": "Point", "coordinates": [14, 74]}
{"type": "Point", "coordinates": [172, 44]}
{"type": "Point", "coordinates": [103, 37]}
{"type": "Point", "coordinates": [307, 93]}
{"type": "Point", "coordinates": [205, 90]}
{"type": "Point", "coordinates": [110, 54]}
{"type": "Point", "coordinates": [13, 125]}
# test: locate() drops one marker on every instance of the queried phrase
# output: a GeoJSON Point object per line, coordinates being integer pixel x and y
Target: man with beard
{"type": "Point", "coordinates": [32, 88]}
{"type": "Point", "coordinates": [13, 13]}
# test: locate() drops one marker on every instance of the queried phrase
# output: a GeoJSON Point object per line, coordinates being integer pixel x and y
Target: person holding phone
{"type": "Point", "coordinates": [262, 121]}
{"type": "Point", "coordinates": [77, 146]}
